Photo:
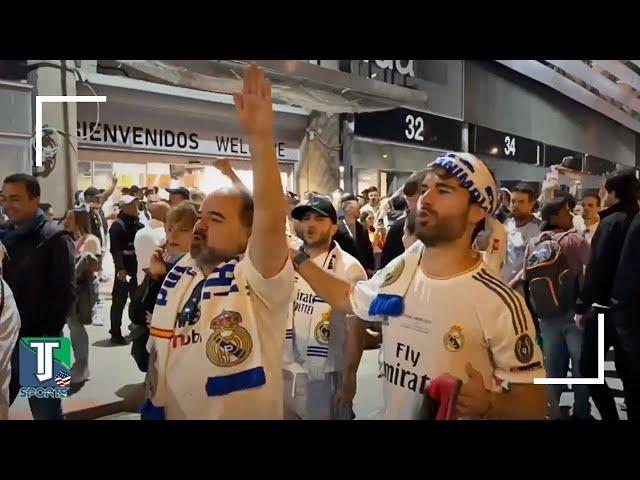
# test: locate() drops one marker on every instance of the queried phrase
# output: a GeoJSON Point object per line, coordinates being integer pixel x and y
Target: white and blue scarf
{"type": "Point", "coordinates": [230, 351]}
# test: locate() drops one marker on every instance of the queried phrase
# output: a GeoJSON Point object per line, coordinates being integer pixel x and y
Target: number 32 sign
{"type": "Point", "coordinates": [415, 127]}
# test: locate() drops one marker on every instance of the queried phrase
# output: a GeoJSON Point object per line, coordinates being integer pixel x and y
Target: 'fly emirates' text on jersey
{"type": "Point", "coordinates": [472, 317]}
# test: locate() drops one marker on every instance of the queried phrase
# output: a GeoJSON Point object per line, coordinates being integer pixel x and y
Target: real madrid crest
{"type": "Point", "coordinates": [230, 343]}
{"type": "Point", "coordinates": [524, 348]}
{"type": "Point", "coordinates": [394, 274]}
{"type": "Point", "coordinates": [322, 330]}
{"type": "Point", "coordinates": [454, 340]}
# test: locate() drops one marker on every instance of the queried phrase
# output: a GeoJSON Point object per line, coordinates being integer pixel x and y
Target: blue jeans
{"type": "Point", "coordinates": [561, 341]}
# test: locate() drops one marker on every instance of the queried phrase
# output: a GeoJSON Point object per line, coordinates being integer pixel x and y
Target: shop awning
{"type": "Point", "coordinates": [294, 82]}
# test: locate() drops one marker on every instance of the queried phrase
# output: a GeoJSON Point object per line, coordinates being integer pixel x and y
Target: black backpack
{"type": "Point", "coordinates": [551, 286]}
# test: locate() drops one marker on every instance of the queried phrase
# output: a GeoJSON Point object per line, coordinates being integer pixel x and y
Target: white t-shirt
{"type": "Point", "coordinates": [348, 269]}
{"type": "Point", "coordinates": [517, 240]}
{"type": "Point", "coordinates": [9, 330]}
{"type": "Point", "coordinates": [370, 208]}
{"type": "Point", "coordinates": [145, 243]}
{"type": "Point", "coordinates": [269, 302]}
{"type": "Point", "coordinates": [590, 231]}
{"type": "Point", "coordinates": [496, 253]}
{"type": "Point", "coordinates": [472, 317]}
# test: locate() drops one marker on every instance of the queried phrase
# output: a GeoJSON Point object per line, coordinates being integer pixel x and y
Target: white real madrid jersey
{"type": "Point", "coordinates": [186, 395]}
{"type": "Point", "coordinates": [305, 302]}
{"type": "Point", "coordinates": [472, 317]}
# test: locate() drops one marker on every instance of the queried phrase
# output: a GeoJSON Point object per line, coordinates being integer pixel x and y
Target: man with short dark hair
{"type": "Point", "coordinates": [39, 267]}
{"type": "Point", "coordinates": [443, 312]}
{"type": "Point", "coordinates": [590, 208]}
{"type": "Point", "coordinates": [323, 347]}
{"type": "Point", "coordinates": [373, 199]}
{"type": "Point", "coordinates": [178, 195]}
{"type": "Point", "coordinates": [352, 236]}
{"type": "Point", "coordinates": [621, 201]}
{"type": "Point", "coordinates": [521, 227]}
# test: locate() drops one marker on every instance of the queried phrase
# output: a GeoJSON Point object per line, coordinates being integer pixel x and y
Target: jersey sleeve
{"type": "Point", "coordinates": [272, 291]}
{"type": "Point", "coordinates": [510, 335]}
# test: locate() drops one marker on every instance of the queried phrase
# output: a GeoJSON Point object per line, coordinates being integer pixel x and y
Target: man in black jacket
{"type": "Point", "coordinates": [352, 236]}
{"type": "Point", "coordinates": [625, 302]}
{"type": "Point", "coordinates": [393, 246]}
{"type": "Point", "coordinates": [40, 269]}
{"type": "Point", "coordinates": [122, 234]}
{"type": "Point", "coordinates": [606, 246]}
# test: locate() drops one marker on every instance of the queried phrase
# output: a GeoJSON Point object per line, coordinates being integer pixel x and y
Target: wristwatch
{"type": "Point", "coordinates": [301, 257]}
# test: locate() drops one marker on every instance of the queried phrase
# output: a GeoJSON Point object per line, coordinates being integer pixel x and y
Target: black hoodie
{"type": "Point", "coordinates": [606, 247]}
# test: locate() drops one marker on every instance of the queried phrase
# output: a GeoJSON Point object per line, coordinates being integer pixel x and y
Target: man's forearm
{"type": "Point", "coordinates": [267, 189]}
{"type": "Point", "coordinates": [522, 402]}
{"type": "Point", "coordinates": [330, 288]}
{"type": "Point", "coordinates": [354, 346]}
{"type": "Point", "coordinates": [105, 196]}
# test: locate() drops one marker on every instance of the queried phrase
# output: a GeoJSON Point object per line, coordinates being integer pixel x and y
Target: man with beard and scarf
{"type": "Point", "coordinates": [444, 313]}
{"type": "Point", "coordinates": [323, 347]}
{"type": "Point", "coordinates": [217, 332]}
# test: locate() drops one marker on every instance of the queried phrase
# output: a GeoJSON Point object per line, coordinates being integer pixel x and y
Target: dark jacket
{"type": "Point", "coordinates": [360, 247]}
{"type": "Point", "coordinates": [393, 246]}
{"type": "Point", "coordinates": [99, 224]}
{"type": "Point", "coordinates": [122, 233]}
{"type": "Point", "coordinates": [40, 269]}
{"type": "Point", "coordinates": [606, 247]}
{"type": "Point", "coordinates": [626, 287]}
{"type": "Point", "coordinates": [144, 301]}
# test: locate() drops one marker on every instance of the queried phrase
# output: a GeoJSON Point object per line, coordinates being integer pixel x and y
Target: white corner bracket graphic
{"type": "Point", "coordinates": [40, 99]}
{"type": "Point", "coordinates": [582, 381]}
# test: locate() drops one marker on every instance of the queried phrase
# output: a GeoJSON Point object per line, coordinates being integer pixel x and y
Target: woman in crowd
{"type": "Point", "coordinates": [377, 234]}
{"type": "Point", "coordinates": [88, 264]}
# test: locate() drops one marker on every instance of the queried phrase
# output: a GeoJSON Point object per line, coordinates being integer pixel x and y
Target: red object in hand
{"type": "Point", "coordinates": [444, 391]}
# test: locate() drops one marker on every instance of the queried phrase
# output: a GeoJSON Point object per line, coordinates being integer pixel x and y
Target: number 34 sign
{"type": "Point", "coordinates": [510, 146]}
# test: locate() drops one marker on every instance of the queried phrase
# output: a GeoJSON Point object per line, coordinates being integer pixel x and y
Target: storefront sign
{"type": "Point", "coordinates": [411, 127]}
{"type": "Point", "coordinates": [158, 139]}
{"type": "Point", "coordinates": [403, 67]}
{"type": "Point", "coordinates": [495, 143]}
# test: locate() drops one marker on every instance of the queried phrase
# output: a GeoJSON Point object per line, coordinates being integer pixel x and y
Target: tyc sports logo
{"type": "Point", "coordinates": [45, 367]}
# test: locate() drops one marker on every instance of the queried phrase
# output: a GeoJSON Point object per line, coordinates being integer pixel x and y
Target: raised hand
{"type": "Point", "coordinates": [224, 166]}
{"type": "Point", "coordinates": [253, 105]}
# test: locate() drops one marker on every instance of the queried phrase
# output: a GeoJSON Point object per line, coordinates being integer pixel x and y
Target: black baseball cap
{"type": "Point", "coordinates": [134, 189]}
{"type": "Point", "coordinates": [183, 192]}
{"type": "Point", "coordinates": [91, 192]}
{"type": "Point", "coordinates": [348, 197]}
{"type": "Point", "coordinates": [319, 205]}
